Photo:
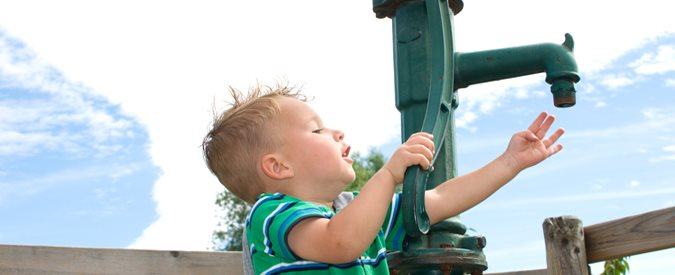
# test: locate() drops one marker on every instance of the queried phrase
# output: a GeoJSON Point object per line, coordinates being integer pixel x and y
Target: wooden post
{"type": "Point", "coordinates": [565, 248]}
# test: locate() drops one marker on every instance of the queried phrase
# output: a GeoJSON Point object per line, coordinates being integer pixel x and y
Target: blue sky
{"type": "Point", "coordinates": [72, 164]}
{"type": "Point", "coordinates": [101, 118]}
{"type": "Point", "coordinates": [618, 158]}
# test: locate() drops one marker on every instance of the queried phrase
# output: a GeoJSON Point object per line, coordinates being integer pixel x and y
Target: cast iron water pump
{"type": "Point", "coordinates": [428, 73]}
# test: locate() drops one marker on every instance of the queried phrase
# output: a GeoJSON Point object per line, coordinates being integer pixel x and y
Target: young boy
{"type": "Point", "coordinates": [273, 150]}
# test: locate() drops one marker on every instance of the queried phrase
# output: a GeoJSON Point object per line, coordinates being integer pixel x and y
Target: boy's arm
{"type": "Point", "coordinates": [461, 193]}
{"type": "Point", "coordinates": [526, 149]}
{"type": "Point", "coordinates": [344, 237]}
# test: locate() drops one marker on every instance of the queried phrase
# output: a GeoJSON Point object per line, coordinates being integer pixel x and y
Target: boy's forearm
{"type": "Point", "coordinates": [356, 225]}
{"type": "Point", "coordinates": [461, 193]}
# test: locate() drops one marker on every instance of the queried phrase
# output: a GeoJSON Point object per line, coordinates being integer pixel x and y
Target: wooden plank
{"type": "Point", "coordinates": [565, 248]}
{"type": "Point", "coordinates": [16, 259]}
{"type": "Point", "coordinates": [522, 272]}
{"type": "Point", "coordinates": [632, 235]}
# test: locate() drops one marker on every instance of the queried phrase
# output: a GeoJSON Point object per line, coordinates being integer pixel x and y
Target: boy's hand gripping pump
{"type": "Point", "coordinates": [428, 73]}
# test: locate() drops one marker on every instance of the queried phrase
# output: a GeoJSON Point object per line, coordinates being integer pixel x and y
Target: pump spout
{"type": "Point", "coordinates": [556, 60]}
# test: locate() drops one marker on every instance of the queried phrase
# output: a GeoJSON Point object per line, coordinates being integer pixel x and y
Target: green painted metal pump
{"type": "Point", "coordinates": [428, 73]}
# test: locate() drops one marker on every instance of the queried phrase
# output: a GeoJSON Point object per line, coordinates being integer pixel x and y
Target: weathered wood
{"type": "Point", "coordinates": [632, 235]}
{"type": "Point", "coordinates": [565, 248]}
{"type": "Point", "coordinates": [63, 260]}
{"type": "Point", "coordinates": [522, 272]}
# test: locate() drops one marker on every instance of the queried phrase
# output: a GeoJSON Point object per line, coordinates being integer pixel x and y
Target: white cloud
{"type": "Point", "coordinates": [669, 151]}
{"type": "Point", "coordinates": [601, 37]}
{"type": "Point", "coordinates": [614, 82]}
{"type": "Point", "coordinates": [652, 113]}
{"type": "Point", "coordinates": [662, 158]}
{"type": "Point", "coordinates": [661, 62]}
{"type": "Point", "coordinates": [28, 126]}
{"type": "Point", "coordinates": [633, 183]}
{"type": "Point", "coordinates": [600, 104]}
{"type": "Point", "coordinates": [534, 252]}
{"type": "Point", "coordinates": [600, 183]}
{"type": "Point", "coordinates": [655, 126]}
{"type": "Point", "coordinates": [43, 183]}
{"type": "Point", "coordinates": [465, 119]}
{"type": "Point", "coordinates": [670, 82]}
{"type": "Point", "coordinates": [18, 143]}
{"type": "Point", "coordinates": [522, 94]}
{"type": "Point", "coordinates": [485, 98]}
{"type": "Point", "coordinates": [165, 72]}
{"type": "Point", "coordinates": [596, 196]}
{"type": "Point", "coordinates": [655, 121]}
{"type": "Point", "coordinates": [108, 203]}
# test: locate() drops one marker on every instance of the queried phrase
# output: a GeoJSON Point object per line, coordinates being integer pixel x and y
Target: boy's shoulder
{"type": "Point", "coordinates": [271, 218]}
{"type": "Point", "coordinates": [276, 206]}
{"type": "Point", "coordinates": [280, 211]}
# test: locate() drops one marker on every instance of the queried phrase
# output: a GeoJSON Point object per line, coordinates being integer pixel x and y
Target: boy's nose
{"type": "Point", "coordinates": [338, 135]}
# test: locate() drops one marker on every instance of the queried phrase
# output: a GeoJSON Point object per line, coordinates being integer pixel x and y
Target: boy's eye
{"type": "Point", "coordinates": [318, 131]}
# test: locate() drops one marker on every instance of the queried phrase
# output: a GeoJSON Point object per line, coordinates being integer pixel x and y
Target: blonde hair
{"type": "Point", "coordinates": [241, 135]}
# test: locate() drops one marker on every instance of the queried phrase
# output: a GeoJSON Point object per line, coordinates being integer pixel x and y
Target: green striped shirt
{"type": "Point", "coordinates": [272, 217]}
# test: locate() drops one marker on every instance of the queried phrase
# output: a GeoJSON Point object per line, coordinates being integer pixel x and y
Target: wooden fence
{"type": "Point", "coordinates": [64, 260]}
{"type": "Point", "coordinates": [570, 247]}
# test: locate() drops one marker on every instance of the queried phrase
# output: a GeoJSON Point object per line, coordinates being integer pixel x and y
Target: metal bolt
{"type": "Point", "coordinates": [481, 242]}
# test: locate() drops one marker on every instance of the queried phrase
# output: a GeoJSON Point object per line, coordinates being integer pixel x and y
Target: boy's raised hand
{"type": "Point", "coordinates": [529, 147]}
{"type": "Point", "coordinates": [418, 150]}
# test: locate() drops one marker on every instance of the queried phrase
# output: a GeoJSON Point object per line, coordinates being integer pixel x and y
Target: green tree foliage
{"type": "Point", "coordinates": [234, 210]}
{"type": "Point", "coordinates": [365, 167]}
{"type": "Point", "coordinates": [232, 216]}
{"type": "Point", "coordinates": [616, 267]}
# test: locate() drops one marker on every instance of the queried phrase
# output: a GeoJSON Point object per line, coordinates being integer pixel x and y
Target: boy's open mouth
{"type": "Point", "coordinates": [345, 154]}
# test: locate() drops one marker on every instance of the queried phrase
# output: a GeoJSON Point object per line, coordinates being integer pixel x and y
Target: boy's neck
{"type": "Point", "coordinates": [324, 202]}
{"type": "Point", "coordinates": [305, 197]}
{"type": "Point", "coordinates": [301, 192]}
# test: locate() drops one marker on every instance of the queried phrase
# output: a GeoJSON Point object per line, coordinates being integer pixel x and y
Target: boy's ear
{"type": "Point", "coordinates": [274, 167]}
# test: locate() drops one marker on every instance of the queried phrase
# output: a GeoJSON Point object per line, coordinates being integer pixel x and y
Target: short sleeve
{"type": "Point", "coordinates": [272, 218]}
{"type": "Point", "coordinates": [392, 228]}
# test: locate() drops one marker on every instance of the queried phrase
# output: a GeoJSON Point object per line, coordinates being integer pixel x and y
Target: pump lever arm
{"type": "Point", "coordinates": [436, 119]}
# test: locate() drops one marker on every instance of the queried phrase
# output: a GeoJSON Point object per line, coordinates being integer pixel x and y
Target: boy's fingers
{"type": "Point", "coordinates": [529, 136]}
{"type": "Point", "coordinates": [554, 149]}
{"type": "Point", "coordinates": [421, 149]}
{"type": "Point", "coordinates": [554, 137]}
{"type": "Point", "coordinates": [541, 133]}
{"type": "Point", "coordinates": [422, 161]}
{"type": "Point", "coordinates": [424, 134]}
{"type": "Point", "coordinates": [425, 140]}
{"type": "Point", "coordinates": [537, 122]}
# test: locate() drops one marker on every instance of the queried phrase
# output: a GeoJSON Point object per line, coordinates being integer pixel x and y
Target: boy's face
{"type": "Point", "coordinates": [317, 155]}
